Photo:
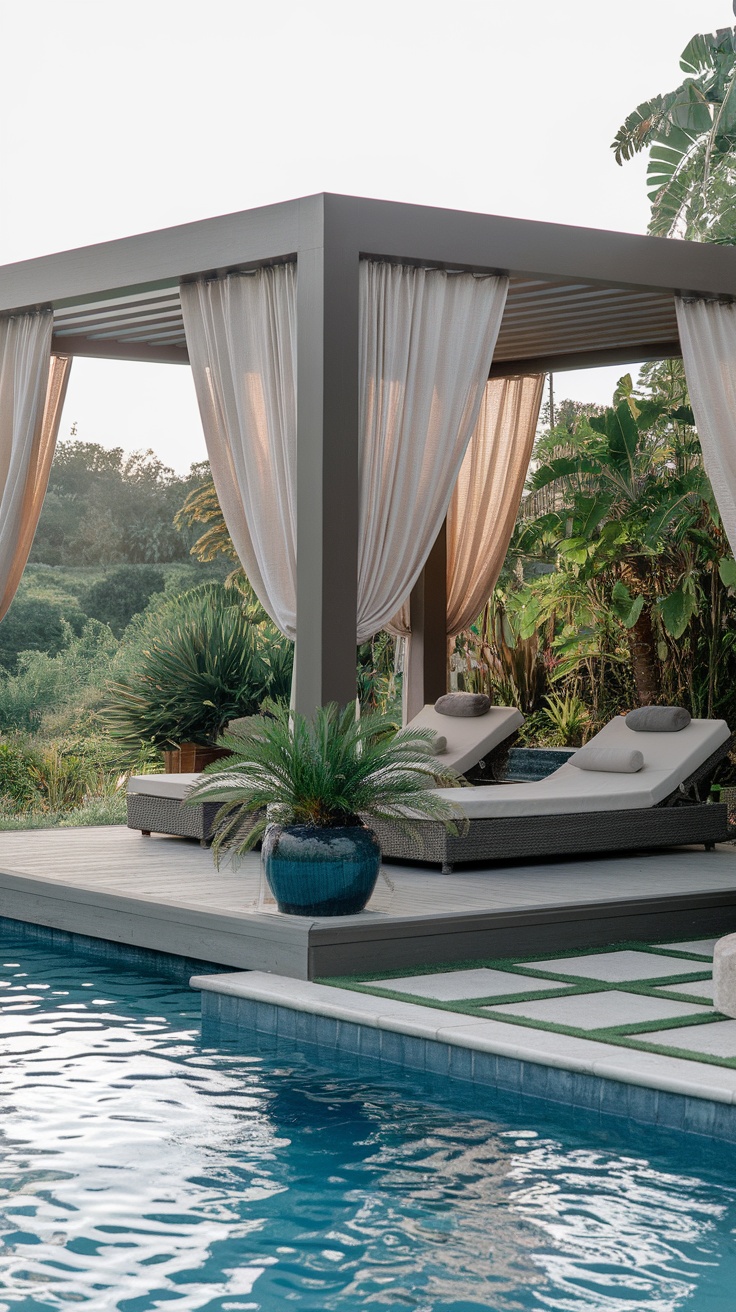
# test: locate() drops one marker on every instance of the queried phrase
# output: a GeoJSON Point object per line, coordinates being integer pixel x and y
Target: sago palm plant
{"type": "Point", "coordinates": [327, 772]}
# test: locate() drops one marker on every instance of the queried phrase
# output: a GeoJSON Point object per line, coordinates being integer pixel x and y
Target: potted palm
{"type": "Point", "coordinates": [309, 788]}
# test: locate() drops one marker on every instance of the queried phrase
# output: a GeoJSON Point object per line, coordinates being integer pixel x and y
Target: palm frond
{"type": "Point", "coordinates": [325, 771]}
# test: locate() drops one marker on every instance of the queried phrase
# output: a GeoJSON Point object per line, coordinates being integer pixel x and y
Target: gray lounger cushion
{"type": "Point", "coordinates": [463, 703]}
{"type": "Point", "coordinates": [615, 760]}
{"type": "Point", "coordinates": [175, 786]}
{"type": "Point", "coordinates": [470, 738]}
{"type": "Point", "coordinates": [658, 719]}
{"type": "Point", "coordinates": [668, 761]}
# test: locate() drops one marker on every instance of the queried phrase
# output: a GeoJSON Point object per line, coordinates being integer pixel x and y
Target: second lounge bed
{"type": "Point", "coordinates": [574, 811]}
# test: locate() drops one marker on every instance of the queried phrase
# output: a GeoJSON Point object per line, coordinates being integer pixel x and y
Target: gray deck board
{"type": "Point", "coordinates": [165, 893]}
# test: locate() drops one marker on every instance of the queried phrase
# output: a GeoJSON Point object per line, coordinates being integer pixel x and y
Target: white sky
{"type": "Point", "coordinates": [127, 116]}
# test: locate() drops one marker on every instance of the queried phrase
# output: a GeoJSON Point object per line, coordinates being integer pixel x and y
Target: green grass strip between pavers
{"type": "Point", "coordinates": [562, 986]}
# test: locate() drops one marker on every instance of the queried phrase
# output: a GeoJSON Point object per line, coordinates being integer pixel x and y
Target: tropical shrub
{"type": "Point", "coordinates": [32, 624]}
{"type": "Point", "coordinates": [640, 557]}
{"type": "Point", "coordinates": [325, 772]}
{"type": "Point", "coordinates": [192, 663]}
{"type": "Point", "coordinates": [123, 593]}
{"type": "Point", "coordinates": [44, 684]}
{"type": "Point", "coordinates": [19, 789]}
{"type": "Point", "coordinates": [569, 719]}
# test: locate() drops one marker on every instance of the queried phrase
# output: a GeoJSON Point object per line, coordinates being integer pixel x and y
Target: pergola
{"type": "Point", "coordinates": [577, 298]}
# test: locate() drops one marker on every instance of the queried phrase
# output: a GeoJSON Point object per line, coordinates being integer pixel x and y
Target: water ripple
{"type": "Point", "coordinates": [140, 1170]}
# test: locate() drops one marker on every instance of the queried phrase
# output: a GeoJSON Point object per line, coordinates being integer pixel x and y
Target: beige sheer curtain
{"type": "Point", "coordinates": [32, 389]}
{"type": "Point", "coordinates": [486, 497]}
{"type": "Point", "coordinates": [241, 337]}
{"type": "Point", "coordinates": [708, 339]}
{"type": "Point", "coordinates": [426, 344]}
{"type": "Point", "coordinates": [488, 493]}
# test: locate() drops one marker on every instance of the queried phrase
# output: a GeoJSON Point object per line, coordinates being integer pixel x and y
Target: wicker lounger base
{"type": "Point", "coordinates": [166, 815]}
{"type": "Point", "coordinates": [554, 835]}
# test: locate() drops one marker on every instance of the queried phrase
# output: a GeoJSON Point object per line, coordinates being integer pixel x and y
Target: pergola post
{"type": "Point", "coordinates": [425, 669]}
{"type": "Point", "coordinates": [327, 470]}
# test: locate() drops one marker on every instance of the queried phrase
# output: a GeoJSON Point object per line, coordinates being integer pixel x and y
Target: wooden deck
{"type": "Point", "coordinates": [164, 893]}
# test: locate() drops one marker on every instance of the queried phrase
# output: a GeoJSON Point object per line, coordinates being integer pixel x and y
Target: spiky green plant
{"type": "Point", "coordinates": [569, 718]}
{"type": "Point", "coordinates": [288, 769]}
{"type": "Point", "coordinates": [193, 664]}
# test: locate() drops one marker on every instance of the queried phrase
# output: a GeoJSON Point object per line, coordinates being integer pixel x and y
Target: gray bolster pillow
{"type": "Point", "coordinates": [614, 760]}
{"type": "Point", "coordinates": [658, 719]}
{"type": "Point", "coordinates": [463, 704]}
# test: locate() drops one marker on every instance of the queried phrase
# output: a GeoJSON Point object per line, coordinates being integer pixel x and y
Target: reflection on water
{"type": "Point", "coordinates": [140, 1170]}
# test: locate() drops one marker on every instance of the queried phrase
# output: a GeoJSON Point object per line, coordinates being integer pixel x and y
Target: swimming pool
{"type": "Point", "coordinates": [140, 1169]}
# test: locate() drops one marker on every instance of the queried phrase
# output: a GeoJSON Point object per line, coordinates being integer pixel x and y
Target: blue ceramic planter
{"type": "Point", "coordinates": [321, 872]}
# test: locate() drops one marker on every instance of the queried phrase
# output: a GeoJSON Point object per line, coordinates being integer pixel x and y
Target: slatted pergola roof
{"type": "Point", "coordinates": [577, 297]}
{"type": "Point", "coordinates": [548, 325]}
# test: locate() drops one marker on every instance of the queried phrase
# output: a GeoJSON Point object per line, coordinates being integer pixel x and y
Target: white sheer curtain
{"type": "Point", "coordinates": [426, 344]}
{"type": "Point", "coordinates": [32, 389]}
{"type": "Point", "coordinates": [488, 493]}
{"type": "Point", "coordinates": [708, 339]}
{"type": "Point", "coordinates": [241, 337]}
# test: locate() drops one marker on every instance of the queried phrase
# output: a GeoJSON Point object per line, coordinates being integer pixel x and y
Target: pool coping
{"type": "Point", "coordinates": [646, 1087]}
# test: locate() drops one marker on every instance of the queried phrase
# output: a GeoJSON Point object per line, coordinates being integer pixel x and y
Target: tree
{"type": "Point", "coordinates": [124, 593]}
{"type": "Point", "coordinates": [108, 507]}
{"type": "Point", "coordinates": [32, 624]}
{"type": "Point", "coordinates": [691, 136]}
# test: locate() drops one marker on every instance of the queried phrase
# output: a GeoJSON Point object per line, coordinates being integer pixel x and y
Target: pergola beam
{"type": "Point", "coordinates": [554, 364]}
{"type": "Point", "coordinates": [145, 352]}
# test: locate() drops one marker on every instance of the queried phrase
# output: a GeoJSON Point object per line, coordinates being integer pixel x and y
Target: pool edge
{"type": "Point", "coordinates": [647, 1088]}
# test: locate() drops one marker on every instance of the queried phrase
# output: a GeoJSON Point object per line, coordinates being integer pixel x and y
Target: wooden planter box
{"type": "Point", "coordinates": [190, 758]}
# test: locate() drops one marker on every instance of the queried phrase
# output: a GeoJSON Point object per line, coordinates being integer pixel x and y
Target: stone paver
{"type": "Point", "coordinates": [716, 1040]}
{"type": "Point", "coordinates": [703, 946]}
{"type": "Point", "coordinates": [698, 989]}
{"type": "Point", "coordinates": [457, 985]}
{"type": "Point", "coordinates": [593, 1011]}
{"type": "Point", "coordinates": [616, 967]}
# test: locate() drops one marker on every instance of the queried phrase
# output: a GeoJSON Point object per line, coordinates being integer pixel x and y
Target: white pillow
{"type": "Point", "coordinates": [614, 760]}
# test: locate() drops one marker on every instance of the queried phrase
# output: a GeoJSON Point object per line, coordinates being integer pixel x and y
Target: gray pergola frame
{"type": "Point", "coordinates": [328, 235]}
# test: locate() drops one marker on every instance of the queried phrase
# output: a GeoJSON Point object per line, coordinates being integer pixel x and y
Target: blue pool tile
{"type": "Point", "coordinates": [508, 1073]}
{"type": "Point", "coordinates": [560, 1086]}
{"type": "Point", "coordinates": [437, 1057]}
{"type": "Point", "coordinates": [535, 1079]}
{"type": "Point", "coordinates": [613, 1098]}
{"type": "Point", "coordinates": [369, 1040]}
{"type": "Point", "coordinates": [265, 1018]}
{"type": "Point", "coordinates": [286, 1022]}
{"type": "Point", "coordinates": [586, 1091]}
{"type": "Point", "coordinates": [354, 1038]}
{"type": "Point", "coordinates": [670, 1110]}
{"type": "Point", "coordinates": [700, 1115]}
{"type": "Point", "coordinates": [642, 1104]}
{"type": "Point", "coordinates": [513, 1080]}
{"type": "Point", "coordinates": [306, 1027]}
{"type": "Point", "coordinates": [464, 1064]}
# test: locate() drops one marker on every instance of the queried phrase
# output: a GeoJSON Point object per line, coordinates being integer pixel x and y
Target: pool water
{"type": "Point", "coordinates": [140, 1169]}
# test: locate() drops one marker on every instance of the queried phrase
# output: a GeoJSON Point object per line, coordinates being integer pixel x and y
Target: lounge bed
{"type": "Point", "coordinates": [571, 811]}
{"type": "Point", "coordinates": [155, 807]}
{"type": "Point", "coordinates": [476, 744]}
